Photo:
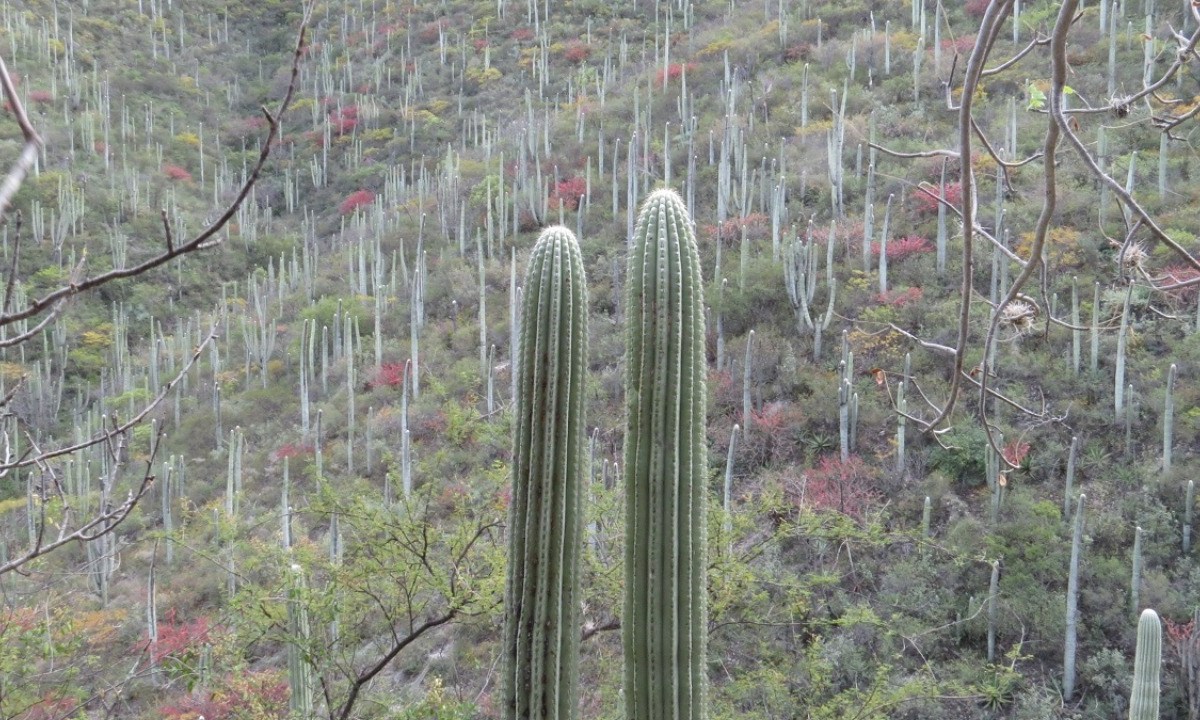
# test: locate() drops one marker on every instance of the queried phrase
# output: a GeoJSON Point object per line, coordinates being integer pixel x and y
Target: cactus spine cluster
{"type": "Point", "coordinates": [1147, 666]}
{"type": "Point", "coordinates": [541, 630]}
{"type": "Point", "coordinates": [664, 626]}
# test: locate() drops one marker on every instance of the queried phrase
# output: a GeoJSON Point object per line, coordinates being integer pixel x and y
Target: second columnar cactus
{"type": "Point", "coordinates": [1147, 667]}
{"type": "Point", "coordinates": [541, 628]}
{"type": "Point", "coordinates": [665, 623]}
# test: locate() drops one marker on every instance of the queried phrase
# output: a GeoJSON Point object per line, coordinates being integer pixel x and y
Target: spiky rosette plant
{"type": "Point", "coordinates": [541, 628]}
{"type": "Point", "coordinates": [664, 627]}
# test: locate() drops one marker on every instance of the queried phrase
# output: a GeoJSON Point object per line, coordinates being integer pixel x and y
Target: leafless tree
{"type": "Point", "coordinates": [54, 522]}
{"type": "Point", "coordinates": [1045, 54]}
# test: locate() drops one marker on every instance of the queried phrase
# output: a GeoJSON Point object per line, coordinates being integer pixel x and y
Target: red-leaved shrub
{"type": "Point", "coordinates": [576, 51]}
{"type": "Point", "coordinates": [756, 225]}
{"type": "Point", "coordinates": [976, 8]}
{"type": "Point", "coordinates": [845, 487]}
{"type": "Point", "coordinates": [961, 45]}
{"type": "Point", "coordinates": [342, 122]}
{"type": "Point", "coordinates": [902, 247]}
{"type": "Point", "coordinates": [567, 193]}
{"type": "Point", "coordinates": [176, 173]}
{"type": "Point", "coordinates": [674, 71]}
{"type": "Point", "coordinates": [242, 694]}
{"type": "Point", "coordinates": [355, 200]}
{"type": "Point", "coordinates": [900, 298]}
{"type": "Point", "coordinates": [389, 375]}
{"type": "Point", "coordinates": [178, 639]}
{"type": "Point", "coordinates": [926, 197]}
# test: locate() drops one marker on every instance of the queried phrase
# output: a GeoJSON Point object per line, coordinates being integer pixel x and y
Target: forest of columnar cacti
{"type": "Point", "coordinates": [354, 362]}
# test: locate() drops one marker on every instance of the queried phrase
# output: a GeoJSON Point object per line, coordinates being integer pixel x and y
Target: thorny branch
{"type": "Point", "coordinates": [1059, 128]}
{"type": "Point", "coordinates": [47, 308]}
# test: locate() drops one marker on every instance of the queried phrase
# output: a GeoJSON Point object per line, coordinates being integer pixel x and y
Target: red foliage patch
{"type": "Point", "coordinates": [798, 52]}
{"type": "Point", "coordinates": [176, 173]}
{"type": "Point", "coordinates": [388, 374]}
{"type": "Point", "coordinates": [900, 298]}
{"type": "Point", "coordinates": [523, 34]}
{"type": "Point", "coordinates": [674, 71]}
{"type": "Point", "coordinates": [576, 51]}
{"type": "Point", "coordinates": [41, 97]}
{"type": "Point", "coordinates": [756, 225]}
{"type": "Point", "coordinates": [567, 193]}
{"type": "Point", "coordinates": [1177, 273]}
{"type": "Point", "coordinates": [431, 32]}
{"type": "Point", "coordinates": [844, 487]}
{"type": "Point", "coordinates": [926, 200]}
{"type": "Point", "coordinates": [976, 8]}
{"type": "Point", "coordinates": [479, 44]}
{"type": "Point", "coordinates": [1015, 452]}
{"type": "Point", "coordinates": [961, 45]}
{"type": "Point", "coordinates": [177, 638]}
{"type": "Point", "coordinates": [51, 707]}
{"type": "Point", "coordinates": [291, 450]}
{"type": "Point", "coordinates": [265, 694]}
{"type": "Point", "coordinates": [342, 122]}
{"type": "Point", "coordinates": [355, 200]}
{"type": "Point", "coordinates": [902, 247]}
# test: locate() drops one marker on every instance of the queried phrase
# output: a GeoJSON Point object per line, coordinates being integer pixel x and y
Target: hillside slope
{"type": "Point", "coordinates": [350, 420]}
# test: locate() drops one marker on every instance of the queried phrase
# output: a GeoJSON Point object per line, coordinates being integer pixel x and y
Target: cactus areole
{"type": "Point", "coordinates": [541, 629]}
{"type": "Point", "coordinates": [664, 626]}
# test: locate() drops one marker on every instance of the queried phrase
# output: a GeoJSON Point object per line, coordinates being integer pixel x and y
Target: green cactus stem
{"type": "Point", "coordinates": [1135, 581]}
{"type": "Point", "coordinates": [1147, 667]}
{"type": "Point", "coordinates": [993, 609]}
{"type": "Point", "coordinates": [541, 629]}
{"type": "Point", "coordinates": [664, 626]}
{"type": "Point", "coordinates": [1069, 642]}
{"type": "Point", "coordinates": [1189, 503]}
{"type": "Point", "coordinates": [300, 678]}
{"type": "Point", "coordinates": [1169, 418]}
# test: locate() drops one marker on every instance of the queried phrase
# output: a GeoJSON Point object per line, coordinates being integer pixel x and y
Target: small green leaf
{"type": "Point", "coordinates": [1037, 98]}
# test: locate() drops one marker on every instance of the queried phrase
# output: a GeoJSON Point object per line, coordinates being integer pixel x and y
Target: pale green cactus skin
{"type": "Point", "coordinates": [1147, 668]}
{"type": "Point", "coordinates": [542, 596]}
{"type": "Point", "coordinates": [300, 678]}
{"type": "Point", "coordinates": [665, 623]}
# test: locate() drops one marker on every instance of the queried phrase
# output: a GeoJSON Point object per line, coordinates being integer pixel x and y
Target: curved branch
{"type": "Point", "coordinates": [33, 142]}
{"type": "Point", "coordinates": [996, 12]}
{"type": "Point", "coordinates": [199, 242]}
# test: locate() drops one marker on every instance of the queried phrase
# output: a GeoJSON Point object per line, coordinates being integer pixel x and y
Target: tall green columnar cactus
{"type": "Point", "coordinates": [1069, 643]}
{"type": "Point", "coordinates": [300, 679]}
{"type": "Point", "coordinates": [1147, 667]}
{"type": "Point", "coordinates": [664, 628]}
{"type": "Point", "coordinates": [541, 627]}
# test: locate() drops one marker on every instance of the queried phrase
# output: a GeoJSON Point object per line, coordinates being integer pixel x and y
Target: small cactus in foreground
{"type": "Point", "coordinates": [665, 623]}
{"type": "Point", "coordinates": [300, 677]}
{"type": "Point", "coordinates": [1147, 666]}
{"type": "Point", "coordinates": [541, 628]}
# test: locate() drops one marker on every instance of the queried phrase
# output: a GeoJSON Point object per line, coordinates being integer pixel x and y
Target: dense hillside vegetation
{"type": "Point", "coordinates": [325, 534]}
